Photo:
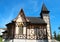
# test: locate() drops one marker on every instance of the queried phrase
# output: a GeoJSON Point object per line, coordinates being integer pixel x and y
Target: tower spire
{"type": "Point", "coordinates": [44, 10]}
{"type": "Point", "coordinates": [44, 7]}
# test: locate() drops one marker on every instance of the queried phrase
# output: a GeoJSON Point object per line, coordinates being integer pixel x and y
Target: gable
{"type": "Point", "coordinates": [21, 17]}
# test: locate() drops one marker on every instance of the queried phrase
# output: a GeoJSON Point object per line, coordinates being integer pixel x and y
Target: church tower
{"type": "Point", "coordinates": [45, 16]}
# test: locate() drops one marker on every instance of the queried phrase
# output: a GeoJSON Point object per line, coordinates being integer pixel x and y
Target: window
{"type": "Point", "coordinates": [40, 32]}
{"type": "Point", "coordinates": [20, 29]}
{"type": "Point", "coordinates": [36, 31]}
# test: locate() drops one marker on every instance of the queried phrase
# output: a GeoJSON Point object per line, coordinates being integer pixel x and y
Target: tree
{"type": "Point", "coordinates": [59, 28]}
{"type": "Point", "coordinates": [54, 34]}
{"type": "Point", "coordinates": [58, 37]}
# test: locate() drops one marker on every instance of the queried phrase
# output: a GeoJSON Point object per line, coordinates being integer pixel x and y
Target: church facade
{"type": "Point", "coordinates": [29, 29]}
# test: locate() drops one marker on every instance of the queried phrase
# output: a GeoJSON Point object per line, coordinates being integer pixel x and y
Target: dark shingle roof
{"type": "Point", "coordinates": [36, 20]}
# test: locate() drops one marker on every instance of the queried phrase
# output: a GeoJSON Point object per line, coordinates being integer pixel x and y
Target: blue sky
{"type": "Point", "coordinates": [9, 9]}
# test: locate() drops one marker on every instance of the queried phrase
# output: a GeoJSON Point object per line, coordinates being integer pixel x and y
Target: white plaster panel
{"type": "Point", "coordinates": [20, 19]}
{"type": "Point", "coordinates": [24, 30]}
{"type": "Point", "coordinates": [16, 30]}
{"type": "Point", "coordinates": [28, 32]}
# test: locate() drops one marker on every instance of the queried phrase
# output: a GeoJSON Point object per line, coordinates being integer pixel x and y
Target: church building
{"type": "Point", "coordinates": [29, 29]}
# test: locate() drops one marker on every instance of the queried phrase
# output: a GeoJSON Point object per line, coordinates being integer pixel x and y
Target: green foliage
{"type": "Point", "coordinates": [58, 37]}
{"type": "Point", "coordinates": [0, 39]}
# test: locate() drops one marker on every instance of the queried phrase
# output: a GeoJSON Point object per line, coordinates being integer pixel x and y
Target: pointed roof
{"type": "Point", "coordinates": [21, 13]}
{"type": "Point", "coordinates": [44, 8]}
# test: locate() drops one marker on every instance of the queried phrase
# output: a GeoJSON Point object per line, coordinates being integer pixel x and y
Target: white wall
{"type": "Point", "coordinates": [24, 40]}
{"type": "Point", "coordinates": [1, 30]}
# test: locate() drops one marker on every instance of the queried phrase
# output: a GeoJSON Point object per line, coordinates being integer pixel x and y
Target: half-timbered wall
{"type": "Point", "coordinates": [33, 32]}
{"type": "Point", "coordinates": [37, 32]}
